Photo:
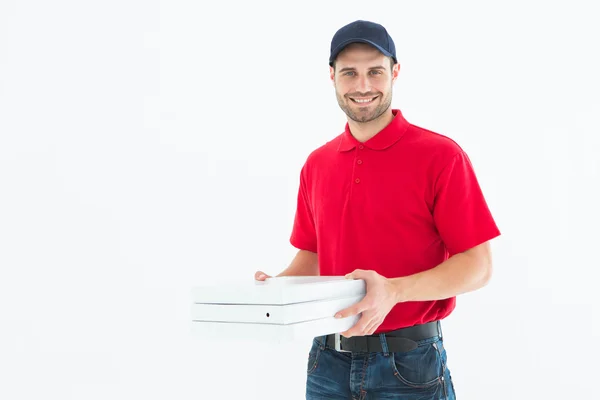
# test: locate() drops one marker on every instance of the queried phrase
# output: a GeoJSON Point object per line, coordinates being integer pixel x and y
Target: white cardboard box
{"type": "Point", "coordinates": [279, 290]}
{"type": "Point", "coordinates": [270, 333]}
{"type": "Point", "coordinates": [278, 309]}
{"type": "Point", "coordinates": [274, 313]}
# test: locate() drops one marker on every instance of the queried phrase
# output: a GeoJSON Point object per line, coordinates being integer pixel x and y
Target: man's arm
{"type": "Point", "coordinates": [463, 272]}
{"type": "Point", "coordinates": [463, 220]}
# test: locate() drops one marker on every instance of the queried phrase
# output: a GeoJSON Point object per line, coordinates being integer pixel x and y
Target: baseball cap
{"type": "Point", "coordinates": [362, 32]}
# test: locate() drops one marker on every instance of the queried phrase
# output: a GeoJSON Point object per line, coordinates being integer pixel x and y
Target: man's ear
{"type": "Point", "coordinates": [395, 72]}
{"type": "Point", "coordinates": [332, 74]}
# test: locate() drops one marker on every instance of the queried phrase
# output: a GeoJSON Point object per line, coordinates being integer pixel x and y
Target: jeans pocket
{"type": "Point", "coordinates": [313, 357]}
{"type": "Point", "coordinates": [419, 368]}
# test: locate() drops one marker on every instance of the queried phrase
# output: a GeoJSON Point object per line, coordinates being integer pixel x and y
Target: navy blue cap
{"type": "Point", "coordinates": [362, 32]}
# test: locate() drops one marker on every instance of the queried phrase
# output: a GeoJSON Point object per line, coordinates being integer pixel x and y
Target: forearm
{"type": "Point", "coordinates": [461, 273]}
{"type": "Point", "coordinates": [305, 263]}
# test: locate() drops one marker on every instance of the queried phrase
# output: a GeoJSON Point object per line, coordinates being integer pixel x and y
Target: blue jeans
{"type": "Point", "coordinates": [418, 374]}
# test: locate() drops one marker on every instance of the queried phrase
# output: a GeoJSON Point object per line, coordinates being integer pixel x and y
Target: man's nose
{"type": "Point", "coordinates": [363, 85]}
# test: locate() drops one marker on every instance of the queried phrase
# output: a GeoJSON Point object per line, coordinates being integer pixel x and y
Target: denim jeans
{"type": "Point", "coordinates": [418, 374]}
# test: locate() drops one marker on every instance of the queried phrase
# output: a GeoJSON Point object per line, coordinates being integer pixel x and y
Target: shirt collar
{"type": "Point", "coordinates": [382, 140]}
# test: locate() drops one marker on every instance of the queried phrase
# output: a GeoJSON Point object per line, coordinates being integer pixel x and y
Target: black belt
{"type": "Point", "coordinates": [400, 340]}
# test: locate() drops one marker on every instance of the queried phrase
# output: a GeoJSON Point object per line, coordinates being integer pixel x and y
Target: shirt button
{"type": "Point", "coordinates": [357, 180]}
{"type": "Point", "coordinates": [359, 162]}
{"type": "Point", "coordinates": [361, 147]}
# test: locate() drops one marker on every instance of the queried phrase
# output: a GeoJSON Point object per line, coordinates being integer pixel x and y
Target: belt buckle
{"type": "Point", "coordinates": [338, 344]}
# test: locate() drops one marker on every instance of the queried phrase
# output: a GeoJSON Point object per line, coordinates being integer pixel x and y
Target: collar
{"type": "Point", "coordinates": [382, 140]}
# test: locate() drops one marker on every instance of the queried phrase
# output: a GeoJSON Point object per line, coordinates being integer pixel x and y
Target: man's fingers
{"type": "Point", "coordinates": [260, 276]}
{"type": "Point", "coordinates": [352, 310]}
{"type": "Point", "coordinates": [358, 329]}
{"type": "Point", "coordinates": [373, 325]}
{"type": "Point", "coordinates": [356, 274]}
{"type": "Point", "coordinates": [365, 304]}
{"type": "Point", "coordinates": [346, 312]}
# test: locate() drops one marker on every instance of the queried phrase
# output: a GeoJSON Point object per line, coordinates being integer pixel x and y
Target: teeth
{"type": "Point", "coordinates": [364, 101]}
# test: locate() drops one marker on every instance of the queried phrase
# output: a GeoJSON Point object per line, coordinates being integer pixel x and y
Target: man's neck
{"type": "Point", "coordinates": [364, 131]}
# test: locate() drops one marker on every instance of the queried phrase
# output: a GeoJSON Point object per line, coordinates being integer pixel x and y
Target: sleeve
{"type": "Point", "coordinates": [460, 211]}
{"type": "Point", "coordinates": [304, 235]}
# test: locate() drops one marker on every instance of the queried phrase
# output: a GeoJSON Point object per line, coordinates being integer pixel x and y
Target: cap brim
{"type": "Point", "coordinates": [345, 43]}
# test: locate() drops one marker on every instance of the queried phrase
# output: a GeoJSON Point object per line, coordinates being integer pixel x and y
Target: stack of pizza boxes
{"type": "Point", "coordinates": [279, 309]}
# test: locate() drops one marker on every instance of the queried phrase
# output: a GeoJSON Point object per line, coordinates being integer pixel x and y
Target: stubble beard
{"type": "Point", "coordinates": [360, 116]}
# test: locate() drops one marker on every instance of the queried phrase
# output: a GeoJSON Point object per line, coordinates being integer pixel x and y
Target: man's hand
{"type": "Point", "coordinates": [261, 276]}
{"type": "Point", "coordinates": [377, 303]}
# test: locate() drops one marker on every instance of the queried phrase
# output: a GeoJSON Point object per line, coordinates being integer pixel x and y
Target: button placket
{"type": "Point", "coordinates": [359, 162]}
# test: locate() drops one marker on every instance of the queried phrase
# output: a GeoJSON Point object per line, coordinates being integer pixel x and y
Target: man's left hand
{"type": "Point", "coordinates": [377, 303]}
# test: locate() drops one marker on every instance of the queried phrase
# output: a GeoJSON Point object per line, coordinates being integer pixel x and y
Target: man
{"type": "Point", "coordinates": [400, 207]}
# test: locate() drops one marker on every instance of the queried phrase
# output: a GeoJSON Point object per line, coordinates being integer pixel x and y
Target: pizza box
{"type": "Point", "coordinates": [272, 313]}
{"type": "Point", "coordinates": [235, 332]}
{"type": "Point", "coordinates": [279, 290]}
{"type": "Point", "coordinates": [277, 309]}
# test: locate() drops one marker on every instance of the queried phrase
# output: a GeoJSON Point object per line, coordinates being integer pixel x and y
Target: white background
{"type": "Point", "coordinates": [150, 146]}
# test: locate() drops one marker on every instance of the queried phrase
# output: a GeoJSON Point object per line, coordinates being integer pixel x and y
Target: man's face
{"type": "Point", "coordinates": [363, 79]}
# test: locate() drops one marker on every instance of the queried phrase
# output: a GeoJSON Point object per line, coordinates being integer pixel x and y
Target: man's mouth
{"type": "Point", "coordinates": [363, 100]}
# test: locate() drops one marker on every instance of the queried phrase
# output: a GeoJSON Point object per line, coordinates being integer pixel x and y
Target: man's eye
{"type": "Point", "coordinates": [349, 73]}
{"type": "Point", "coordinates": [375, 72]}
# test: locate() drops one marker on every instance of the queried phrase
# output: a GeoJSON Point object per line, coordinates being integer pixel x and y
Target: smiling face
{"type": "Point", "coordinates": [363, 79]}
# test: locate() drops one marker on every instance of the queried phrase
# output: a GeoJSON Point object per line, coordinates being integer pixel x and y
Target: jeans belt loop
{"type": "Point", "coordinates": [384, 345]}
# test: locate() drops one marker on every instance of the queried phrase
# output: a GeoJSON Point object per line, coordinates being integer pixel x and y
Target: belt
{"type": "Point", "coordinates": [398, 341]}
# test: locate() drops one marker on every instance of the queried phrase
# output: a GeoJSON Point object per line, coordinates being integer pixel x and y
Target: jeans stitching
{"type": "Point", "coordinates": [443, 376]}
{"type": "Point", "coordinates": [364, 371]}
{"type": "Point", "coordinates": [317, 354]}
{"type": "Point", "coordinates": [412, 384]}
{"type": "Point", "coordinates": [384, 345]}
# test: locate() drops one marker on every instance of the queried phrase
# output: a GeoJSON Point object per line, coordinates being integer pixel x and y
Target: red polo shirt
{"type": "Point", "coordinates": [400, 203]}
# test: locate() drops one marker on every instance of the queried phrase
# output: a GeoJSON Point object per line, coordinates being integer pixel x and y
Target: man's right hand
{"type": "Point", "coordinates": [261, 276]}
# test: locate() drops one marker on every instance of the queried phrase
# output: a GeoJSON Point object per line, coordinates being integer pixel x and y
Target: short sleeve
{"type": "Point", "coordinates": [304, 236]}
{"type": "Point", "coordinates": [460, 211]}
